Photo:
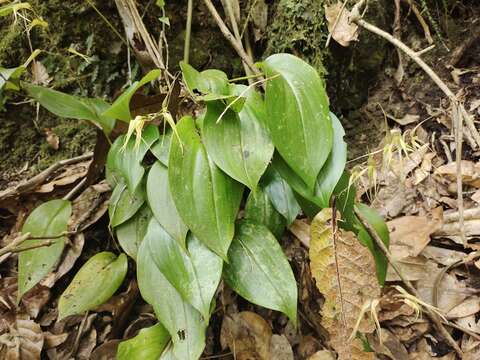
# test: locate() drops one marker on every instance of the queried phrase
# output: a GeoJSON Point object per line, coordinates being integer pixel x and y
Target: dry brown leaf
{"type": "Point", "coordinates": [301, 229]}
{"type": "Point", "coordinates": [30, 338]}
{"type": "Point", "coordinates": [469, 306]}
{"type": "Point", "coordinates": [345, 275]}
{"type": "Point", "coordinates": [390, 346]}
{"type": "Point", "coordinates": [339, 24]}
{"type": "Point", "coordinates": [52, 139]}
{"type": "Point", "coordinates": [414, 232]}
{"type": "Point", "coordinates": [280, 348]}
{"type": "Point", "coordinates": [322, 355]}
{"type": "Point", "coordinates": [40, 74]}
{"type": "Point", "coordinates": [247, 334]}
{"type": "Point", "coordinates": [69, 175]}
{"type": "Point", "coordinates": [470, 172]}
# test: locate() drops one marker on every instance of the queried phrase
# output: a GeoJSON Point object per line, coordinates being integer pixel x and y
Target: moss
{"type": "Point", "coordinates": [299, 27]}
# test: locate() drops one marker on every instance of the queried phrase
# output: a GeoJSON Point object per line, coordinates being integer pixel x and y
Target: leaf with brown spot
{"type": "Point", "coordinates": [344, 271]}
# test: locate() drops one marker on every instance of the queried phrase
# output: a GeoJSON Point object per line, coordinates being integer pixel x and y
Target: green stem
{"type": "Point", "coordinates": [188, 31]}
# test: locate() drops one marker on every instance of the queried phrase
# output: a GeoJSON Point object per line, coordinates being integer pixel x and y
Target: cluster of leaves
{"type": "Point", "coordinates": [178, 219]}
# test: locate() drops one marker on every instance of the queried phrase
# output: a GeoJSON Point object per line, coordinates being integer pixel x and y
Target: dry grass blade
{"type": "Point", "coordinates": [345, 275]}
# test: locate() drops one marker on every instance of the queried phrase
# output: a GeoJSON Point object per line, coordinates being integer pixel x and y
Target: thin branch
{"type": "Point", "coordinates": [431, 314]}
{"type": "Point", "coordinates": [38, 179]}
{"type": "Point", "coordinates": [229, 36]}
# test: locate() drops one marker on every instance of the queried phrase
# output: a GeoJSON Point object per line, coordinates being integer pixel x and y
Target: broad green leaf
{"type": "Point", "coordinates": [211, 81]}
{"type": "Point", "coordinates": [123, 205]}
{"type": "Point", "coordinates": [162, 205]}
{"type": "Point", "coordinates": [378, 224]}
{"type": "Point", "coordinates": [298, 121]}
{"type": "Point", "coordinates": [148, 344]}
{"type": "Point", "coordinates": [345, 194]}
{"type": "Point", "coordinates": [206, 199]}
{"type": "Point", "coordinates": [131, 233]}
{"type": "Point", "coordinates": [73, 107]}
{"type": "Point", "coordinates": [120, 109]}
{"type": "Point", "coordinates": [49, 219]}
{"type": "Point", "coordinates": [259, 271]}
{"type": "Point", "coordinates": [194, 273]}
{"type": "Point", "coordinates": [8, 77]}
{"type": "Point", "coordinates": [95, 283]}
{"type": "Point", "coordinates": [126, 161]}
{"type": "Point", "coordinates": [281, 195]}
{"type": "Point", "coordinates": [184, 324]}
{"type": "Point", "coordinates": [259, 209]}
{"type": "Point", "coordinates": [238, 143]}
{"type": "Point", "coordinates": [161, 148]}
{"type": "Point", "coordinates": [333, 168]}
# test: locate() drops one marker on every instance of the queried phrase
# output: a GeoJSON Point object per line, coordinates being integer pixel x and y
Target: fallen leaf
{"type": "Point", "coordinates": [52, 139]}
{"type": "Point", "coordinates": [247, 335]}
{"type": "Point", "coordinates": [414, 232]}
{"type": "Point", "coordinates": [339, 25]}
{"type": "Point", "coordinates": [407, 119]}
{"type": "Point", "coordinates": [470, 172]}
{"type": "Point", "coordinates": [322, 355]}
{"type": "Point", "coordinates": [301, 229]}
{"type": "Point", "coordinates": [346, 291]}
{"type": "Point", "coordinates": [69, 175]}
{"type": "Point", "coordinates": [469, 306]}
{"type": "Point", "coordinates": [280, 348]}
{"type": "Point", "coordinates": [40, 74]}
{"type": "Point", "coordinates": [390, 346]}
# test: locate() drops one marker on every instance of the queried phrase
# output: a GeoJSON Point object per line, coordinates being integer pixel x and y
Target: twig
{"type": "Point", "coordinates": [188, 32]}
{"type": "Point", "coordinates": [229, 36]}
{"type": "Point", "coordinates": [38, 179]}
{"type": "Point", "coordinates": [434, 317]}
{"type": "Point", "coordinates": [75, 190]}
{"type": "Point", "coordinates": [458, 111]}
{"type": "Point", "coordinates": [233, 21]}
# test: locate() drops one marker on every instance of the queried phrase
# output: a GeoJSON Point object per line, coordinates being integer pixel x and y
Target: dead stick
{"type": "Point", "coordinates": [434, 317]}
{"type": "Point", "coordinates": [458, 111]}
{"type": "Point", "coordinates": [38, 179]}
{"type": "Point", "coordinates": [229, 36]}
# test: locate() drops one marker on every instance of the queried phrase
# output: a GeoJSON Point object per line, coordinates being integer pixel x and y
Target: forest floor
{"type": "Point", "coordinates": [401, 152]}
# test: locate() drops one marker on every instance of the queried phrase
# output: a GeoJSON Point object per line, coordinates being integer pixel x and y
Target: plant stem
{"type": "Point", "coordinates": [188, 32]}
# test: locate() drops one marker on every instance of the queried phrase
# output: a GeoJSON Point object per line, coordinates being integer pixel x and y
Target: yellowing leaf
{"type": "Point", "coordinates": [344, 271]}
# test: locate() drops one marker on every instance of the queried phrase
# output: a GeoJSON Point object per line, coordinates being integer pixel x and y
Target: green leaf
{"type": "Point", "coordinates": [259, 209]}
{"type": "Point", "coordinates": [162, 205]}
{"type": "Point", "coordinates": [72, 107]}
{"type": "Point", "coordinates": [259, 271]}
{"type": "Point", "coordinates": [378, 224]}
{"type": "Point", "coordinates": [13, 8]}
{"type": "Point", "coordinates": [49, 219]}
{"type": "Point", "coordinates": [298, 121]}
{"type": "Point", "coordinates": [95, 283]}
{"type": "Point", "coordinates": [210, 81]}
{"type": "Point", "coordinates": [206, 199]}
{"type": "Point", "coordinates": [124, 205]}
{"type": "Point", "coordinates": [160, 3]}
{"type": "Point", "coordinates": [164, 20]}
{"type": "Point", "coordinates": [127, 161]}
{"type": "Point", "coordinates": [131, 233]}
{"type": "Point", "coordinates": [333, 168]}
{"type": "Point", "coordinates": [120, 109]}
{"type": "Point", "coordinates": [148, 344]}
{"type": "Point", "coordinates": [161, 148]}
{"type": "Point", "coordinates": [345, 194]}
{"type": "Point", "coordinates": [184, 324]}
{"type": "Point", "coordinates": [7, 77]}
{"type": "Point", "coordinates": [281, 195]}
{"type": "Point", "coordinates": [194, 273]}
{"type": "Point", "coordinates": [238, 143]}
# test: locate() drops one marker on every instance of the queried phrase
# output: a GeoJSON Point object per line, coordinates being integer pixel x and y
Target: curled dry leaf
{"type": "Point", "coordinates": [339, 24]}
{"type": "Point", "coordinates": [344, 271]}
{"type": "Point", "coordinates": [413, 232]}
{"type": "Point", "coordinates": [24, 341]}
{"type": "Point", "coordinates": [470, 172]}
{"type": "Point", "coordinates": [52, 139]}
{"type": "Point", "coordinates": [248, 335]}
{"type": "Point", "coordinates": [69, 175]}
